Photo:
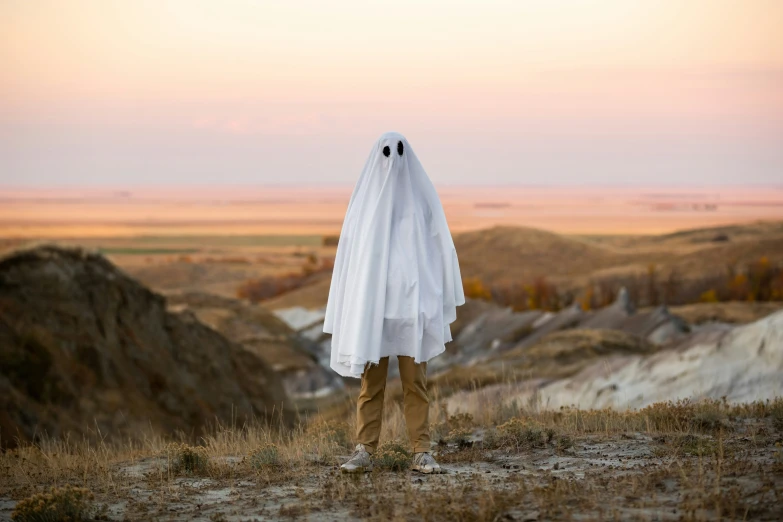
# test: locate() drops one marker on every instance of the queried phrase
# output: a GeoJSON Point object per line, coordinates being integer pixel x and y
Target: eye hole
{"type": "Point", "coordinates": [386, 151]}
{"type": "Point", "coordinates": [399, 148]}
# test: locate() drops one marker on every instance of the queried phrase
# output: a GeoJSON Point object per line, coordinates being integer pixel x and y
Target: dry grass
{"type": "Point", "coordinates": [686, 461]}
{"type": "Point", "coordinates": [522, 254]}
{"type": "Point", "coordinates": [729, 312]}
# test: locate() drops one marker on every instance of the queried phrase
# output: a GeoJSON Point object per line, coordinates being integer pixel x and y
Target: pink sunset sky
{"type": "Point", "coordinates": [240, 92]}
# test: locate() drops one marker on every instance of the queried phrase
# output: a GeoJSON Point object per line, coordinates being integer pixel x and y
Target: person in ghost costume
{"type": "Point", "coordinates": [394, 291]}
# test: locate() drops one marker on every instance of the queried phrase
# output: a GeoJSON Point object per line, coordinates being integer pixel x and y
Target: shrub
{"type": "Point", "coordinates": [710, 296]}
{"type": "Point", "coordinates": [444, 432]}
{"type": "Point", "coordinates": [461, 420]}
{"type": "Point", "coordinates": [265, 456]}
{"type": "Point", "coordinates": [524, 434]}
{"type": "Point", "coordinates": [66, 503]}
{"type": "Point", "coordinates": [392, 455]}
{"type": "Point", "coordinates": [460, 437]}
{"type": "Point", "coordinates": [475, 289]}
{"type": "Point", "coordinates": [492, 439]}
{"type": "Point", "coordinates": [188, 459]}
{"type": "Point", "coordinates": [564, 442]}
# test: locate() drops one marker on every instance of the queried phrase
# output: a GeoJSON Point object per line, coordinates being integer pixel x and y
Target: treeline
{"type": "Point", "coordinates": [757, 281]}
{"type": "Point", "coordinates": [538, 295]}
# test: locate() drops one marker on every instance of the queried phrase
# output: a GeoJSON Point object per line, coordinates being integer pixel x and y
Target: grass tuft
{"type": "Point", "coordinates": [776, 412]}
{"type": "Point", "coordinates": [265, 456]}
{"type": "Point", "coordinates": [333, 433]}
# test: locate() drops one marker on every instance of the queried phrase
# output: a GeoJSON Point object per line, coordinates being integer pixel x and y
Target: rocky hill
{"type": "Point", "coordinates": [521, 354]}
{"type": "Point", "coordinates": [85, 347]}
{"type": "Point", "coordinates": [294, 357]}
{"type": "Point", "coordinates": [716, 361]}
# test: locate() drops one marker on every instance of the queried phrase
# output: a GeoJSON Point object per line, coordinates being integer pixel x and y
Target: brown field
{"type": "Point", "coordinates": [221, 264]}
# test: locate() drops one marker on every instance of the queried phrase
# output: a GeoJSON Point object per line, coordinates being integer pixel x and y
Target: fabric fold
{"type": "Point", "coordinates": [396, 281]}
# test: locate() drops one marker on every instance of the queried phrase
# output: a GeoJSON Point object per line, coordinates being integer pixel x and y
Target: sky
{"type": "Point", "coordinates": [249, 92]}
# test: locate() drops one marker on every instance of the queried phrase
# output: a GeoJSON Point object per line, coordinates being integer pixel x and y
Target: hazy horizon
{"type": "Point", "coordinates": [350, 184]}
{"type": "Point", "coordinates": [584, 92]}
{"type": "Point", "coordinates": [251, 210]}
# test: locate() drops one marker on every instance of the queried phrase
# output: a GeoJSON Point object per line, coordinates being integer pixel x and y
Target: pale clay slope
{"type": "Point", "coordinates": [744, 364]}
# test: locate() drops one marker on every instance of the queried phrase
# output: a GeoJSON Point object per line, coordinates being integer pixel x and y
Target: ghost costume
{"type": "Point", "coordinates": [396, 281]}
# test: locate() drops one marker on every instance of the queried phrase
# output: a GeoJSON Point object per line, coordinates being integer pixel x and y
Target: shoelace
{"type": "Point", "coordinates": [425, 458]}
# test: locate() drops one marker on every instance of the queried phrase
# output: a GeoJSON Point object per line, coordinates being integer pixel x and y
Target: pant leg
{"type": "Point", "coordinates": [369, 406]}
{"type": "Point", "coordinates": [416, 402]}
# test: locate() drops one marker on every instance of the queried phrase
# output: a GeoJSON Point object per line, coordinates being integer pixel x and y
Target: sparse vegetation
{"type": "Point", "coordinates": [693, 460]}
{"type": "Point", "coordinates": [459, 436]}
{"type": "Point", "coordinates": [392, 455]}
{"type": "Point", "coordinates": [267, 455]}
{"type": "Point", "coordinates": [183, 458]}
{"type": "Point", "coordinates": [508, 460]}
{"type": "Point", "coordinates": [689, 444]}
{"type": "Point", "coordinates": [331, 433]}
{"type": "Point", "coordinates": [776, 412]}
{"type": "Point", "coordinates": [518, 434]}
{"type": "Point", "coordinates": [454, 428]}
{"type": "Point", "coordinates": [66, 504]}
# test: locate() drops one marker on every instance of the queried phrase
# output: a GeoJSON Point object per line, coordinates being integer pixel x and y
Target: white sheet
{"type": "Point", "coordinates": [396, 281]}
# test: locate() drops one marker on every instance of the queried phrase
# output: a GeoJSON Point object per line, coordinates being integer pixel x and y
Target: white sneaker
{"type": "Point", "coordinates": [359, 462]}
{"type": "Point", "coordinates": [425, 463]}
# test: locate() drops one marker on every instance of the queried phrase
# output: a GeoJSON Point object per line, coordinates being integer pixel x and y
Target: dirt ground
{"type": "Point", "coordinates": [731, 475]}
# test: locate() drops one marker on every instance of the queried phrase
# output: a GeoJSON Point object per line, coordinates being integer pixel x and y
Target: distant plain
{"type": "Point", "coordinates": [301, 210]}
{"type": "Point", "coordinates": [213, 239]}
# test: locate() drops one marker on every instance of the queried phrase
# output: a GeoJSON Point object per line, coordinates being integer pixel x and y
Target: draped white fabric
{"type": "Point", "coordinates": [396, 281]}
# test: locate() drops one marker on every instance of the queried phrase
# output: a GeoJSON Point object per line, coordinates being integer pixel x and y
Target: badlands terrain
{"type": "Point", "coordinates": [138, 369]}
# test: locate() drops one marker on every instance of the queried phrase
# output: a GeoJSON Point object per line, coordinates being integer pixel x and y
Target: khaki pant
{"type": "Point", "coordinates": [369, 409]}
